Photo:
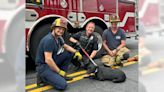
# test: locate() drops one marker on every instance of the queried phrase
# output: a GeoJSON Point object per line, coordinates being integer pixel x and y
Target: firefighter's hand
{"type": "Point", "coordinates": [110, 53]}
{"type": "Point", "coordinates": [67, 78]}
{"type": "Point", "coordinates": [62, 73]}
{"type": "Point", "coordinates": [78, 55]}
{"type": "Point", "coordinates": [114, 52]}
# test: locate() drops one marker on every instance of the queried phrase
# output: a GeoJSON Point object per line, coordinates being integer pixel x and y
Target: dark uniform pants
{"type": "Point", "coordinates": [49, 76]}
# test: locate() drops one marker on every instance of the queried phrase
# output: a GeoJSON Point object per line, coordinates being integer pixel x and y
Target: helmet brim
{"type": "Point", "coordinates": [61, 27]}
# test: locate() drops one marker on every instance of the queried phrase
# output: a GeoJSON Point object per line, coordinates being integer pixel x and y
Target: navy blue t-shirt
{"type": "Point", "coordinates": [113, 40]}
{"type": "Point", "coordinates": [84, 40]}
{"type": "Point", "coordinates": [48, 44]}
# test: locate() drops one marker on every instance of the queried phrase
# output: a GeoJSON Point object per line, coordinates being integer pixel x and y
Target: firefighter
{"type": "Point", "coordinates": [89, 42]}
{"type": "Point", "coordinates": [114, 43]}
{"type": "Point", "coordinates": [53, 56]}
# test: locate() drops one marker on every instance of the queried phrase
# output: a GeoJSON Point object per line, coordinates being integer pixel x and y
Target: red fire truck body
{"type": "Point", "coordinates": [41, 13]}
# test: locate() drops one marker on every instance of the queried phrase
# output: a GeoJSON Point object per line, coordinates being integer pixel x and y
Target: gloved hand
{"type": "Point", "coordinates": [62, 73]}
{"type": "Point", "coordinates": [67, 78]}
{"type": "Point", "coordinates": [118, 59]}
{"type": "Point", "coordinates": [78, 55]}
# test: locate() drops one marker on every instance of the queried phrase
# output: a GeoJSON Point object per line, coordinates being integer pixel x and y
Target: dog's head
{"type": "Point", "coordinates": [93, 69]}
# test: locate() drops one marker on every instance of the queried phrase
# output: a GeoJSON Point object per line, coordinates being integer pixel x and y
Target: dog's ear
{"type": "Point", "coordinates": [93, 69]}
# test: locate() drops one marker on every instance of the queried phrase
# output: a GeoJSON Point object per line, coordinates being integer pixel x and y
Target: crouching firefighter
{"type": "Point", "coordinates": [114, 43]}
{"type": "Point", "coordinates": [89, 42]}
{"type": "Point", "coordinates": [53, 57]}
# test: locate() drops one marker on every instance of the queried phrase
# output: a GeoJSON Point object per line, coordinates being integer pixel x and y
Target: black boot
{"type": "Point", "coordinates": [125, 56]}
{"type": "Point", "coordinates": [120, 64]}
{"type": "Point", "coordinates": [40, 81]}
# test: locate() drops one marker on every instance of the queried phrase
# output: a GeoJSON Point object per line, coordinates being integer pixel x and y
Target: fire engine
{"type": "Point", "coordinates": [41, 13]}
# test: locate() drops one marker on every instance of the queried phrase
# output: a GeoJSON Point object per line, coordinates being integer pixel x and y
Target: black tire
{"type": "Point", "coordinates": [66, 37]}
{"type": "Point", "coordinates": [37, 35]}
{"type": "Point", "coordinates": [99, 30]}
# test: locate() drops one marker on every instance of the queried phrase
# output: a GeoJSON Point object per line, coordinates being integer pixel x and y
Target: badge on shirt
{"type": "Point", "coordinates": [118, 37]}
{"type": "Point", "coordinates": [60, 50]}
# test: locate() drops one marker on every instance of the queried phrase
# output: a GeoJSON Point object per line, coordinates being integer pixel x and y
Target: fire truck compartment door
{"type": "Point", "coordinates": [81, 17]}
{"type": "Point", "coordinates": [72, 16]}
{"type": "Point", "coordinates": [31, 15]}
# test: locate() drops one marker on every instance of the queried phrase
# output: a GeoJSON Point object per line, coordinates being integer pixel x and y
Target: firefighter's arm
{"type": "Point", "coordinates": [95, 48]}
{"type": "Point", "coordinates": [93, 54]}
{"type": "Point", "coordinates": [52, 64]}
{"type": "Point", "coordinates": [75, 37]}
{"type": "Point", "coordinates": [121, 45]}
{"type": "Point", "coordinates": [50, 61]}
{"type": "Point", "coordinates": [106, 48]}
{"type": "Point", "coordinates": [73, 40]}
{"type": "Point", "coordinates": [69, 48]}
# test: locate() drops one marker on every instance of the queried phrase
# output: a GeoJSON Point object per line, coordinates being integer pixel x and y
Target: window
{"type": "Point", "coordinates": [34, 1]}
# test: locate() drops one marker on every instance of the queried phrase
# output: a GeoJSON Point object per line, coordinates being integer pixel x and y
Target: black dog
{"type": "Point", "coordinates": [106, 73]}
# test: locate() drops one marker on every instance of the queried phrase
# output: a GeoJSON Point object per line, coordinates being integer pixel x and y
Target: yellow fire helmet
{"type": "Point", "coordinates": [60, 22]}
{"type": "Point", "coordinates": [114, 18]}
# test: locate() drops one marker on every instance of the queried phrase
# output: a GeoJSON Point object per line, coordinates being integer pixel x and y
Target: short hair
{"type": "Point", "coordinates": [90, 23]}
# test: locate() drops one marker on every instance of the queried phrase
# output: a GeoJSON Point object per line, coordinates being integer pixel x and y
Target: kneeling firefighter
{"type": "Point", "coordinates": [114, 43]}
{"type": "Point", "coordinates": [87, 40]}
{"type": "Point", "coordinates": [53, 57]}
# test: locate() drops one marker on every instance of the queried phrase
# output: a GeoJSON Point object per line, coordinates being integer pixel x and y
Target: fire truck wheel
{"type": "Point", "coordinates": [36, 36]}
{"type": "Point", "coordinates": [66, 37]}
{"type": "Point", "coordinates": [100, 31]}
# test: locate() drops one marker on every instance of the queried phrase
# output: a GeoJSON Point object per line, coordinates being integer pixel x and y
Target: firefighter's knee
{"type": "Point", "coordinates": [61, 86]}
